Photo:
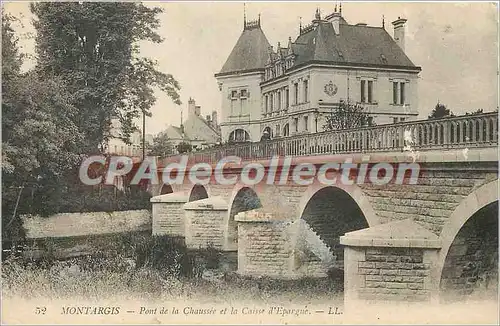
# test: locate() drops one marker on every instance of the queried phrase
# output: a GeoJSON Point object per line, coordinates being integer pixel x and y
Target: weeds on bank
{"type": "Point", "coordinates": [145, 267]}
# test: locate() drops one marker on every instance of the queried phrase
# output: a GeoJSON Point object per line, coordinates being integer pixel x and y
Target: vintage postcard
{"type": "Point", "coordinates": [249, 162]}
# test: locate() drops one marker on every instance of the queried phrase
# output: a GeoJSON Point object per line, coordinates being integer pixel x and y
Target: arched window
{"type": "Point", "coordinates": [286, 130]}
{"type": "Point", "coordinates": [238, 135]}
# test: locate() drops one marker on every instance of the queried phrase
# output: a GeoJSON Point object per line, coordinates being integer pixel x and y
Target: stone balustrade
{"type": "Point", "coordinates": [467, 131]}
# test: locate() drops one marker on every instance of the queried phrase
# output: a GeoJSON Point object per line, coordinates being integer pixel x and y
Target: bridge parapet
{"type": "Point", "coordinates": [450, 133]}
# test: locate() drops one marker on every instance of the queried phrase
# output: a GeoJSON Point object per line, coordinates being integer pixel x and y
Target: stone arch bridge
{"type": "Point", "coordinates": [424, 239]}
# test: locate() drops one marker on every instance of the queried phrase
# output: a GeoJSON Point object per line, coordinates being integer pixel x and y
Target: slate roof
{"type": "Point", "coordinates": [249, 53]}
{"type": "Point", "coordinates": [365, 45]}
{"type": "Point", "coordinates": [355, 44]}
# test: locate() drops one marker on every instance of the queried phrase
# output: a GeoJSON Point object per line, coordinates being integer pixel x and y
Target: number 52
{"type": "Point", "coordinates": [40, 310]}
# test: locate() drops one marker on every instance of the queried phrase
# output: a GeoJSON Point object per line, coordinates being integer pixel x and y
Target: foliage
{"type": "Point", "coordinates": [440, 111]}
{"type": "Point", "coordinates": [11, 58]}
{"type": "Point", "coordinates": [94, 47]}
{"type": "Point", "coordinates": [166, 254]}
{"type": "Point", "coordinates": [346, 116]}
{"type": "Point", "coordinates": [161, 146]}
{"type": "Point", "coordinates": [39, 136]}
{"type": "Point", "coordinates": [88, 71]}
{"type": "Point", "coordinates": [184, 147]}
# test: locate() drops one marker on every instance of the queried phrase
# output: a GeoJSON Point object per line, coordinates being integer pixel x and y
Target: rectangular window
{"type": "Point", "coordinates": [306, 90]}
{"type": "Point", "coordinates": [234, 94]}
{"type": "Point", "coordinates": [287, 98]}
{"type": "Point", "coordinates": [306, 123]}
{"type": "Point", "coordinates": [233, 106]}
{"type": "Point", "coordinates": [278, 101]}
{"type": "Point", "coordinates": [363, 98]}
{"type": "Point", "coordinates": [370, 91]}
{"type": "Point", "coordinates": [266, 104]}
{"type": "Point", "coordinates": [394, 120]}
{"type": "Point", "coordinates": [277, 130]}
{"type": "Point", "coordinates": [395, 93]}
{"type": "Point", "coordinates": [296, 122]}
{"type": "Point", "coordinates": [271, 102]}
{"type": "Point", "coordinates": [402, 119]}
{"type": "Point", "coordinates": [243, 93]}
{"type": "Point", "coordinates": [402, 93]}
{"type": "Point", "coordinates": [296, 92]}
{"type": "Point", "coordinates": [243, 109]}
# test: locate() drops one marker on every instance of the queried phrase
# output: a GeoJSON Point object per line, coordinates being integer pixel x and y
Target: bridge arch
{"type": "Point", "coordinates": [354, 192]}
{"type": "Point", "coordinates": [469, 241]}
{"type": "Point", "coordinates": [166, 189]}
{"type": "Point", "coordinates": [198, 192]}
{"type": "Point", "coordinates": [243, 198]}
{"type": "Point", "coordinates": [327, 212]}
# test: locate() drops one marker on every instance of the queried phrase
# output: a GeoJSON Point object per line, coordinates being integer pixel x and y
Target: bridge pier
{"type": "Point", "coordinates": [168, 214]}
{"type": "Point", "coordinates": [265, 244]}
{"type": "Point", "coordinates": [205, 222]}
{"type": "Point", "coordinates": [390, 262]}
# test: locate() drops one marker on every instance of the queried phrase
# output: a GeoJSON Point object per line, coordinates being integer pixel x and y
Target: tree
{"type": "Point", "coordinates": [94, 47]}
{"type": "Point", "coordinates": [39, 137]}
{"type": "Point", "coordinates": [184, 147]}
{"type": "Point", "coordinates": [161, 146]}
{"type": "Point", "coordinates": [347, 116]}
{"type": "Point", "coordinates": [440, 111]}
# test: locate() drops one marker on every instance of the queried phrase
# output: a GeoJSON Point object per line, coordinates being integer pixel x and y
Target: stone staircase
{"type": "Point", "coordinates": [312, 241]}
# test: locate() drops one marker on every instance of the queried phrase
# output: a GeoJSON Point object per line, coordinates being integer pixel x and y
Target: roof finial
{"type": "Point", "coordinates": [335, 6]}
{"type": "Point", "coordinates": [244, 14]}
{"type": "Point", "coordinates": [383, 21]}
{"type": "Point", "coordinates": [340, 11]}
{"type": "Point", "coordinates": [300, 25]}
{"type": "Point", "coordinates": [259, 19]}
{"type": "Point", "coordinates": [318, 14]}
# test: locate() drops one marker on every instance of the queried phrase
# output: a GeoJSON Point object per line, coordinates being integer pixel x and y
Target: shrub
{"type": "Point", "coordinates": [166, 254]}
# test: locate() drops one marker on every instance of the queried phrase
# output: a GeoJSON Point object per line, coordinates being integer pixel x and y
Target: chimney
{"type": "Point", "coordinates": [191, 107]}
{"type": "Point", "coordinates": [399, 32]}
{"type": "Point", "coordinates": [197, 110]}
{"type": "Point", "coordinates": [214, 118]}
{"type": "Point", "coordinates": [334, 18]}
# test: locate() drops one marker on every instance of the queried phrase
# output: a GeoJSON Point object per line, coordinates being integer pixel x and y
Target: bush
{"type": "Point", "coordinates": [184, 148]}
{"type": "Point", "coordinates": [165, 254]}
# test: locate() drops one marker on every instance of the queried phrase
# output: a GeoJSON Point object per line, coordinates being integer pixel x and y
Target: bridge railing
{"type": "Point", "coordinates": [479, 130]}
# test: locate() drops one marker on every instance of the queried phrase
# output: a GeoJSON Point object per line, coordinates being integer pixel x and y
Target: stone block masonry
{"type": "Point", "coordinates": [264, 245]}
{"type": "Point", "coordinates": [205, 223]}
{"type": "Point", "coordinates": [390, 262]}
{"type": "Point", "coordinates": [393, 274]}
{"type": "Point", "coordinates": [168, 214]}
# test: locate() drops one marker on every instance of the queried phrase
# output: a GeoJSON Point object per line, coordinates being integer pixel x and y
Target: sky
{"type": "Point", "coordinates": [456, 44]}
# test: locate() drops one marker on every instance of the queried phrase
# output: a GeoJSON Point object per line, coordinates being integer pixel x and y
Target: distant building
{"type": "Point", "coordinates": [291, 89]}
{"type": "Point", "coordinates": [117, 146]}
{"type": "Point", "coordinates": [198, 131]}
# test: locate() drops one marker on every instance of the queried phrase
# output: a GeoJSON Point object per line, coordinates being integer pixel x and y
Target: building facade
{"type": "Point", "coordinates": [292, 89]}
{"type": "Point", "coordinates": [116, 146]}
{"type": "Point", "coordinates": [198, 131]}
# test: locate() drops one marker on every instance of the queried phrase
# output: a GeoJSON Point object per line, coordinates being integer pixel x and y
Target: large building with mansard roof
{"type": "Point", "coordinates": [290, 89]}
